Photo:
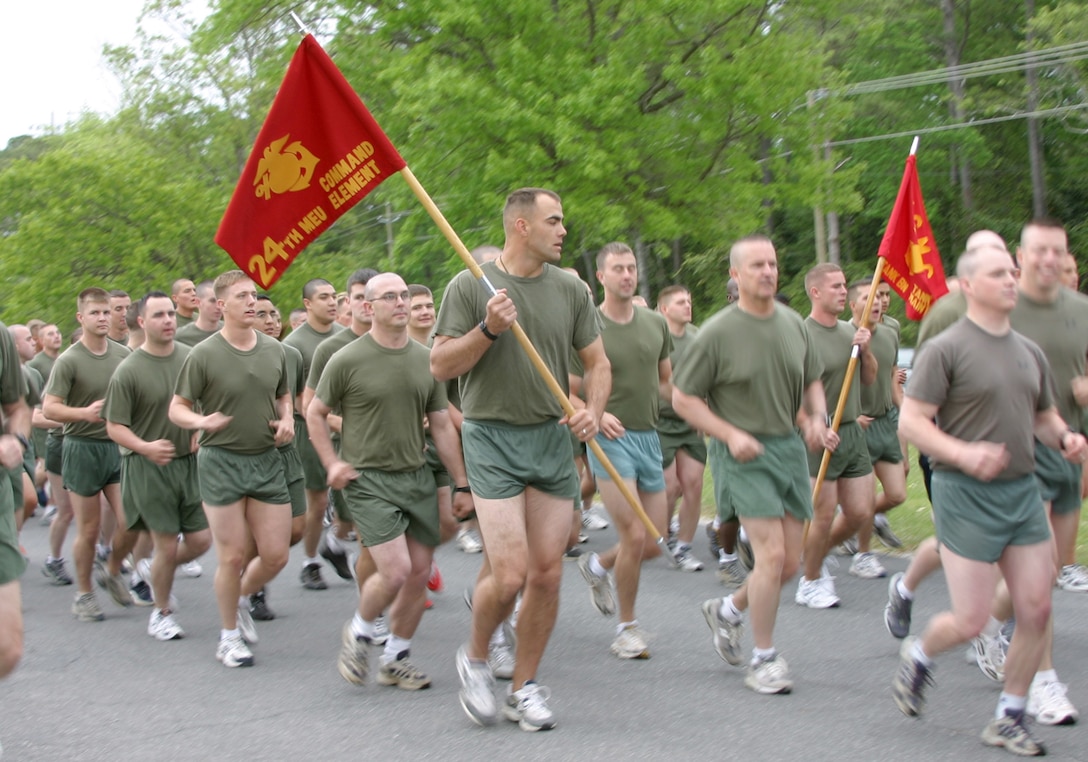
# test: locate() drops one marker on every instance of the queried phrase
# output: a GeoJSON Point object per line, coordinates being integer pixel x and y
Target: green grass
{"type": "Point", "coordinates": [911, 521]}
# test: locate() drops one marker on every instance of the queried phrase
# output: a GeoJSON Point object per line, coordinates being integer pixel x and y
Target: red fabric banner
{"type": "Point", "coordinates": [317, 155]}
{"type": "Point", "coordinates": [912, 264]}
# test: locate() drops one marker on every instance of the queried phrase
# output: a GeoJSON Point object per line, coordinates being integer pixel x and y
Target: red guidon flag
{"type": "Point", "coordinates": [912, 264]}
{"type": "Point", "coordinates": [317, 155]}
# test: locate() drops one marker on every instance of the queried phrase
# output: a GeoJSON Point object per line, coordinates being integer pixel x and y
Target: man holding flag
{"type": "Point", "coordinates": [516, 453]}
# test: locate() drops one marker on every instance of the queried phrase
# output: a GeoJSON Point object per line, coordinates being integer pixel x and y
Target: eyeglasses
{"type": "Point", "coordinates": [392, 297]}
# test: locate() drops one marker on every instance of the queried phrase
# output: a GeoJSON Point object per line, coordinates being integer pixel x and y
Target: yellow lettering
{"type": "Point", "coordinates": [272, 250]}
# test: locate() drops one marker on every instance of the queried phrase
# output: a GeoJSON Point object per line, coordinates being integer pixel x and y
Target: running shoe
{"type": "Point", "coordinates": [381, 631]}
{"type": "Point", "coordinates": [245, 623]}
{"type": "Point", "coordinates": [731, 573]}
{"type": "Point", "coordinates": [85, 608]}
{"type": "Point", "coordinates": [686, 560]}
{"type": "Point", "coordinates": [883, 529]}
{"type": "Point", "coordinates": [141, 594]}
{"type": "Point", "coordinates": [815, 594]}
{"type": "Point", "coordinates": [867, 566]}
{"type": "Point", "coordinates": [163, 626]}
{"type": "Point", "coordinates": [501, 660]}
{"type": "Point", "coordinates": [55, 572]}
{"type": "Point", "coordinates": [469, 540]}
{"type": "Point", "coordinates": [338, 560]}
{"type": "Point", "coordinates": [477, 694]}
{"type": "Point", "coordinates": [434, 582]}
{"type": "Point", "coordinates": [310, 576]}
{"type": "Point", "coordinates": [115, 586]}
{"type": "Point", "coordinates": [600, 588]}
{"type": "Point", "coordinates": [712, 540]}
{"type": "Point", "coordinates": [744, 551]}
{"type": "Point", "coordinates": [403, 674]}
{"type": "Point", "coordinates": [1073, 578]}
{"type": "Point", "coordinates": [190, 569]}
{"type": "Point", "coordinates": [354, 659]}
{"type": "Point", "coordinates": [770, 676]}
{"type": "Point", "coordinates": [1049, 704]}
{"type": "Point", "coordinates": [529, 708]}
{"type": "Point", "coordinates": [990, 657]}
{"type": "Point", "coordinates": [630, 644]}
{"type": "Point", "coordinates": [911, 679]}
{"type": "Point", "coordinates": [897, 612]}
{"type": "Point", "coordinates": [233, 652]}
{"type": "Point", "coordinates": [592, 521]}
{"type": "Point", "coordinates": [1012, 733]}
{"type": "Point", "coordinates": [726, 634]}
{"type": "Point", "coordinates": [258, 607]}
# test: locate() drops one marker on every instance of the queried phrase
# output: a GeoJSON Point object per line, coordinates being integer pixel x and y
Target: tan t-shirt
{"type": "Point", "coordinates": [986, 388]}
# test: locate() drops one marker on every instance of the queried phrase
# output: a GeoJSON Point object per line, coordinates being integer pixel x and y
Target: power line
{"type": "Point", "coordinates": [1021, 61]}
{"type": "Point", "coordinates": [962, 125]}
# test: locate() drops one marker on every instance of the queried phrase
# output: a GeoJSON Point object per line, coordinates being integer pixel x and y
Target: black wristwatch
{"type": "Point", "coordinates": [487, 333]}
{"type": "Point", "coordinates": [466, 489]}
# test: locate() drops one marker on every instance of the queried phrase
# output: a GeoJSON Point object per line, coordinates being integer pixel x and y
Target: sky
{"type": "Point", "coordinates": [52, 64]}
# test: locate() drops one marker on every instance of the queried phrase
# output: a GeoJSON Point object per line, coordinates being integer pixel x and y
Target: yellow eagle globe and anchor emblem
{"type": "Point", "coordinates": [284, 168]}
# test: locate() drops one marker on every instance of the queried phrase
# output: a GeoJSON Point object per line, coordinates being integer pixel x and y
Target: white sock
{"type": "Point", "coordinates": [361, 628]}
{"type": "Point", "coordinates": [1009, 704]}
{"type": "Point", "coordinates": [498, 639]}
{"type": "Point", "coordinates": [991, 628]}
{"type": "Point", "coordinates": [763, 654]}
{"type": "Point", "coordinates": [904, 593]}
{"type": "Point", "coordinates": [624, 625]}
{"type": "Point", "coordinates": [310, 561]}
{"type": "Point", "coordinates": [224, 634]}
{"type": "Point", "coordinates": [394, 647]}
{"type": "Point", "coordinates": [716, 523]}
{"type": "Point", "coordinates": [243, 602]}
{"type": "Point", "coordinates": [729, 611]}
{"type": "Point", "coordinates": [742, 535]}
{"type": "Point", "coordinates": [595, 566]}
{"type": "Point", "coordinates": [919, 655]}
{"type": "Point", "coordinates": [727, 557]}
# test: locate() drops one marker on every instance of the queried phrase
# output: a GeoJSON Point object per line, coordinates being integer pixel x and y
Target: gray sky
{"type": "Point", "coordinates": [51, 59]}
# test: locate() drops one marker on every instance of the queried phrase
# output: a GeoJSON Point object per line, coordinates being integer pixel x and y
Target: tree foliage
{"type": "Point", "coordinates": [675, 125]}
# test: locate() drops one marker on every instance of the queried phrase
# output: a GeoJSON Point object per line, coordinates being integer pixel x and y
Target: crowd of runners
{"type": "Point", "coordinates": [372, 430]}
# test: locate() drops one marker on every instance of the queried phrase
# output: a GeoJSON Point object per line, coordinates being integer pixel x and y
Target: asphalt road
{"type": "Point", "coordinates": [108, 691]}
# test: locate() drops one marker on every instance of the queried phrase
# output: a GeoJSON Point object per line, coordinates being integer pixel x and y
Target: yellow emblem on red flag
{"type": "Point", "coordinates": [912, 264]}
{"type": "Point", "coordinates": [318, 154]}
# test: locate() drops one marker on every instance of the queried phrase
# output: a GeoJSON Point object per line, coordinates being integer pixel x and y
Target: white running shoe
{"type": "Point", "coordinates": [817, 593]}
{"type": "Point", "coordinates": [164, 627]}
{"type": "Point", "coordinates": [1049, 705]}
{"type": "Point", "coordinates": [867, 566]}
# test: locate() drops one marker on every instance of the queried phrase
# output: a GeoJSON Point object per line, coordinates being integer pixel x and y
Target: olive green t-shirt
{"type": "Point", "coordinates": [81, 378]}
{"type": "Point", "coordinates": [306, 340]}
{"type": "Point", "coordinates": [752, 371]}
{"type": "Point", "coordinates": [384, 394]}
{"type": "Point", "coordinates": [139, 397]}
{"type": "Point", "coordinates": [324, 352]}
{"type": "Point", "coordinates": [986, 388]}
{"type": "Point", "coordinates": [1061, 331]}
{"type": "Point", "coordinates": [34, 386]}
{"type": "Point", "coordinates": [557, 314]}
{"type": "Point", "coordinates": [890, 322]}
{"type": "Point", "coordinates": [668, 421]}
{"type": "Point", "coordinates": [12, 381]}
{"type": "Point", "coordinates": [295, 377]}
{"type": "Point", "coordinates": [876, 398]}
{"type": "Point", "coordinates": [243, 384]}
{"type": "Point", "coordinates": [833, 346]}
{"type": "Point", "coordinates": [42, 363]}
{"type": "Point", "coordinates": [635, 349]}
{"type": "Point", "coordinates": [184, 321]}
{"type": "Point", "coordinates": [946, 311]}
{"type": "Point", "coordinates": [191, 335]}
